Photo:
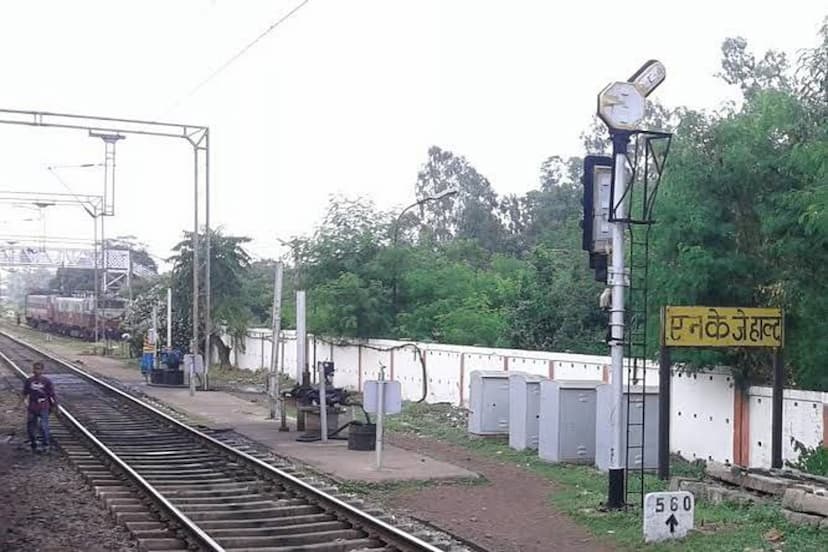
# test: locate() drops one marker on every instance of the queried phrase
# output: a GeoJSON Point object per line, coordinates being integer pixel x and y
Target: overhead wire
{"type": "Point", "coordinates": [53, 172]}
{"type": "Point", "coordinates": [240, 53]}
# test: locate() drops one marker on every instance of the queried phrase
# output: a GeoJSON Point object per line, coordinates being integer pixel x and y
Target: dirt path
{"type": "Point", "coordinates": [512, 513]}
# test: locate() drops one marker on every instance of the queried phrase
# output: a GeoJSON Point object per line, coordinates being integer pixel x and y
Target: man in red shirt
{"type": "Point", "coordinates": [40, 392]}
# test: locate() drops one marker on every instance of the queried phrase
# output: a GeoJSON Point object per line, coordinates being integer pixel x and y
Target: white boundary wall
{"type": "Point", "coordinates": [705, 419]}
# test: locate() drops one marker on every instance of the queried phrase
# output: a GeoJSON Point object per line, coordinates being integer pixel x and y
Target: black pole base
{"type": "Point", "coordinates": [615, 498]}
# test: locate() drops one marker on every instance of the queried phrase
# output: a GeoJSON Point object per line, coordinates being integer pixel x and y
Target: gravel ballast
{"type": "Point", "coordinates": [45, 505]}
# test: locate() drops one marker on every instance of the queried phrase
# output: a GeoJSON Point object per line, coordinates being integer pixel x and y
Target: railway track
{"type": "Point", "coordinates": [178, 488]}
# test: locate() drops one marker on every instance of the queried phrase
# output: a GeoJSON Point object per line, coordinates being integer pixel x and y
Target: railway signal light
{"type": "Point", "coordinates": [596, 238]}
{"type": "Point", "coordinates": [622, 106]}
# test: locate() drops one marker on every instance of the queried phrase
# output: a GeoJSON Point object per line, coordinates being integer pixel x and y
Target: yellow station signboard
{"type": "Point", "coordinates": [723, 327]}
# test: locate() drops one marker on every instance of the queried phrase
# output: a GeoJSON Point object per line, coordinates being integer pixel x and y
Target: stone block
{"type": "Point", "coordinates": [766, 484]}
{"type": "Point", "coordinates": [677, 483]}
{"type": "Point", "coordinates": [716, 495]}
{"type": "Point", "coordinates": [728, 474]}
{"type": "Point", "coordinates": [800, 501]}
{"type": "Point", "coordinates": [798, 518]}
{"type": "Point", "coordinates": [697, 488]}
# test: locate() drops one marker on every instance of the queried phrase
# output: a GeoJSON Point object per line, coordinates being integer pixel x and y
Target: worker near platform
{"type": "Point", "coordinates": [149, 351]}
{"type": "Point", "coordinates": [40, 393]}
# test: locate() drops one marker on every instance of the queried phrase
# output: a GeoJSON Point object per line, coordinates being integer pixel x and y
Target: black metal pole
{"type": "Point", "coordinates": [776, 414]}
{"type": "Point", "coordinates": [664, 380]}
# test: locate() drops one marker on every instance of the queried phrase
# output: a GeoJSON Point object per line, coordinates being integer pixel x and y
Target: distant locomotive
{"type": "Point", "coordinates": [74, 316]}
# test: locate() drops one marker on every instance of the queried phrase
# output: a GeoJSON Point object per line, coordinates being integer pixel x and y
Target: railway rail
{"type": "Point", "coordinates": [176, 487]}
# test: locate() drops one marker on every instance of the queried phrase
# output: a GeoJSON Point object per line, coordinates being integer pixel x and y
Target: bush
{"type": "Point", "coordinates": [811, 460]}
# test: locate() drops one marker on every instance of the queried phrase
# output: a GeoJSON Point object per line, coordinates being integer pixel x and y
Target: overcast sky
{"type": "Point", "coordinates": [345, 97]}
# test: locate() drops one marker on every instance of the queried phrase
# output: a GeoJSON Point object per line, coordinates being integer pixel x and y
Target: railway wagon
{"type": "Point", "coordinates": [74, 316]}
{"type": "Point", "coordinates": [38, 310]}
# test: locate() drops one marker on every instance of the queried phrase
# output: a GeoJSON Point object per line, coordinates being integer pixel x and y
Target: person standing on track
{"type": "Point", "coordinates": [40, 392]}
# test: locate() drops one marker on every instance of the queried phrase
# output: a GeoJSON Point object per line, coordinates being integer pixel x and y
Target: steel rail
{"type": "Point", "coordinates": [400, 539]}
{"type": "Point", "coordinates": [203, 538]}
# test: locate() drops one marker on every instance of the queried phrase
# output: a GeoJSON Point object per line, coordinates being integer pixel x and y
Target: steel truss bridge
{"type": "Point", "coordinates": [118, 265]}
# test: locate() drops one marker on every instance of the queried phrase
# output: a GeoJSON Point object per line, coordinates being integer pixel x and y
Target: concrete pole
{"type": "Point", "coordinates": [618, 277]}
{"type": "Point", "coordinates": [301, 352]}
{"type": "Point", "coordinates": [380, 415]}
{"type": "Point", "coordinates": [169, 318]}
{"type": "Point", "coordinates": [276, 329]}
{"type": "Point", "coordinates": [301, 336]}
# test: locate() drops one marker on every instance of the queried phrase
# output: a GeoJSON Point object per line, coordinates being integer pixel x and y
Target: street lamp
{"type": "Point", "coordinates": [437, 197]}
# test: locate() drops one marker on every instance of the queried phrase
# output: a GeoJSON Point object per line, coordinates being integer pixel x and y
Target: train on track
{"type": "Point", "coordinates": [75, 316]}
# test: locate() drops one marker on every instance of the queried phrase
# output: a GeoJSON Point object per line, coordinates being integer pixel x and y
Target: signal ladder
{"type": "Point", "coordinates": [636, 363]}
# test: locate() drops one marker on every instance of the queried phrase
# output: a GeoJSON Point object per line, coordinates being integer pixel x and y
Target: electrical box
{"type": "Point", "coordinates": [524, 410]}
{"type": "Point", "coordinates": [567, 422]}
{"type": "Point", "coordinates": [489, 403]}
{"type": "Point", "coordinates": [646, 411]}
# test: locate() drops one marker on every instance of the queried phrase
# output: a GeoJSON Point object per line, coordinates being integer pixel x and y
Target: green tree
{"type": "Point", "coordinates": [470, 214]}
{"type": "Point", "coordinates": [349, 306]}
{"type": "Point", "coordinates": [229, 269]}
{"type": "Point", "coordinates": [556, 308]}
{"type": "Point", "coordinates": [739, 213]}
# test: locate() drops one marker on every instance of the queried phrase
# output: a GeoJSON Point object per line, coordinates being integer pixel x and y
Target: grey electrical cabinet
{"type": "Point", "coordinates": [567, 422]}
{"type": "Point", "coordinates": [646, 411]}
{"type": "Point", "coordinates": [524, 410]}
{"type": "Point", "coordinates": [489, 403]}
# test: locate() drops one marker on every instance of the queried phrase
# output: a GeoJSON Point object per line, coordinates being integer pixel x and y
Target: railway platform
{"type": "Point", "coordinates": [226, 411]}
{"type": "Point", "coordinates": [221, 410]}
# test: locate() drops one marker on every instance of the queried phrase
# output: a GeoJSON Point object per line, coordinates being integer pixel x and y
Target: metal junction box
{"type": "Point", "coordinates": [524, 410]}
{"type": "Point", "coordinates": [489, 403]}
{"type": "Point", "coordinates": [646, 411]}
{"type": "Point", "coordinates": [567, 422]}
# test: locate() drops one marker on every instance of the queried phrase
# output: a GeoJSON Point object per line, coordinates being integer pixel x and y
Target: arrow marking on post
{"type": "Point", "coordinates": [672, 522]}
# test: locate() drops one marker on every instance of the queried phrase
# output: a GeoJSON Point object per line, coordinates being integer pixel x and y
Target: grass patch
{"type": "Point", "coordinates": [230, 376]}
{"type": "Point", "coordinates": [581, 490]}
{"type": "Point", "coordinates": [236, 376]}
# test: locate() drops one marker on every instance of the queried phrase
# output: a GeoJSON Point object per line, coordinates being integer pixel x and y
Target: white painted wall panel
{"type": "Point", "coordinates": [801, 419]}
{"type": "Point", "coordinates": [409, 372]}
{"type": "Point", "coordinates": [571, 370]}
{"type": "Point", "coordinates": [444, 377]}
{"type": "Point", "coordinates": [346, 366]}
{"type": "Point", "coordinates": [701, 420]}
{"type": "Point", "coordinates": [701, 417]}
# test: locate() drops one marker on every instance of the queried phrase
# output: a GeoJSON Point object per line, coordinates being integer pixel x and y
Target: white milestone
{"type": "Point", "coordinates": [668, 515]}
